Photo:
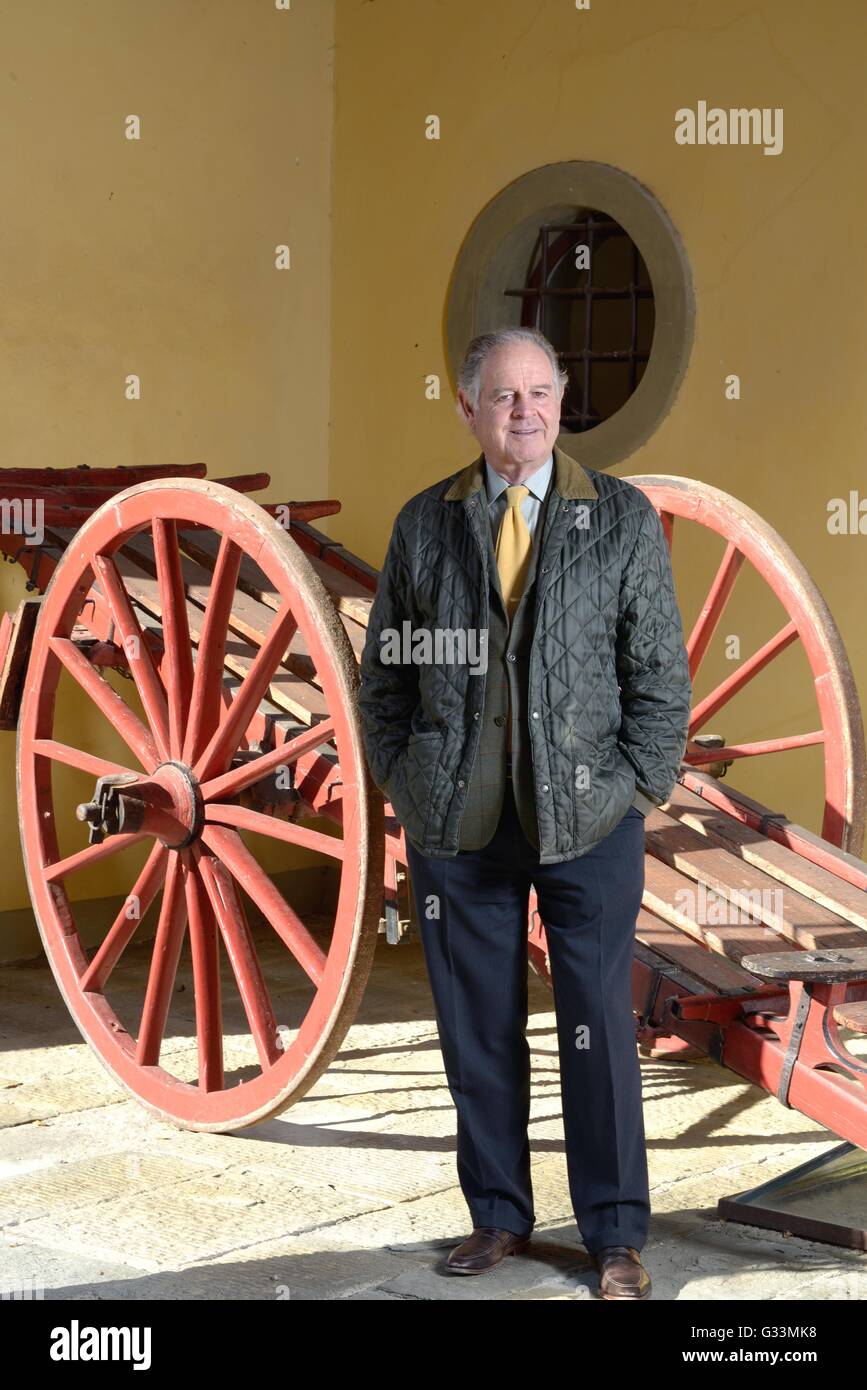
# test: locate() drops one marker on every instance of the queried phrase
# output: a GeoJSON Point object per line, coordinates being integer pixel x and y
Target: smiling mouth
{"type": "Point", "coordinates": [524, 431]}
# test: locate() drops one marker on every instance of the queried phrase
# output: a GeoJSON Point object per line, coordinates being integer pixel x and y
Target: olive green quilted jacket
{"type": "Point", "coordinates": [609, 685]}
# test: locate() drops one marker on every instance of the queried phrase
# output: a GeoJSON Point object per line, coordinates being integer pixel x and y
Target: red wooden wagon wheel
{"type": "Point", "coordinates": [747, 539]}
{"type": "Point", "coordinates": [178, 795]}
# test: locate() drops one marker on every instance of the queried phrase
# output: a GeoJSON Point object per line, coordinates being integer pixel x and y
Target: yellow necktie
{"type": "Point", "coordinates": [514, 544]}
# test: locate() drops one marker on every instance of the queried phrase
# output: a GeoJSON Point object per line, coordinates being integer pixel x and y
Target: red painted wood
{"type": "Point", "coordinates": [114, 478]}
{"type": "Point", "coordinates": [203, 883]}
{"type": "Point", "coordinates": [176, 633]}
{"type": "Point", "coordinates": [235, 931]}
{"type": "Point", "coordinates": [206, 705]}
{"type": "Point", "coordinates": [138, 655]}
{"type": "Point", "coordinates": [748, 538]}
{"type": "Point", "coordinates": [90, 496]}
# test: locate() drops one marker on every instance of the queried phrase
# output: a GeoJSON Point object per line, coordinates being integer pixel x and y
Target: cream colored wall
{"type": "Point", "coordinates": [156, 257]}
{"type": "Point", "coordinates": [775, 244]}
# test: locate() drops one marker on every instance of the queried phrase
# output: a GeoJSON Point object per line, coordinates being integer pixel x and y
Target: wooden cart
{"type": "Point", "coordinates": [216, 643]}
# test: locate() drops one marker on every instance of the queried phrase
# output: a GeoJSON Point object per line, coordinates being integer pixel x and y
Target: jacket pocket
{"type": "Point", "coordinates": [577, 796]}
{"type": "Point", "coordinates": [412, 781]}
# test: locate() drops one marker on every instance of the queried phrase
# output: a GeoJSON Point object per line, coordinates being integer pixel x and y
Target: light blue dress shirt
{"type": "Point", "coordinates": [531, 506]}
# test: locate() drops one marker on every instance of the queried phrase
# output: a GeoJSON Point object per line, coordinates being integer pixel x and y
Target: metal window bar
{"type": "Point", "coordinates": [537, 294]}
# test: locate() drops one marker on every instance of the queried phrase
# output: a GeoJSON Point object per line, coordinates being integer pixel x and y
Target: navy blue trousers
{"type": "Point", "coordinates": [472, 912]}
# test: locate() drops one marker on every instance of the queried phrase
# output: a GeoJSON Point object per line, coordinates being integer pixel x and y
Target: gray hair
{"type": "Point", "coordinates": [470, 374]}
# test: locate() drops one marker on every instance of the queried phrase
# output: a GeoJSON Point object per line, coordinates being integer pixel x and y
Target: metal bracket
{"type": "Point", "coordinates": [265, 793]}
{"type": "Point", "coordinates": [104, 814]}
{"type": "Point", "coordinates": [799, 1023]}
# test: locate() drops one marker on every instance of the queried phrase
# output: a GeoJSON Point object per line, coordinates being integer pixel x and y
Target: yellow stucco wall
{"type": "Point", "coordinates": [774, 242]}
{"type": "Point", "coordinates": [156, 256]}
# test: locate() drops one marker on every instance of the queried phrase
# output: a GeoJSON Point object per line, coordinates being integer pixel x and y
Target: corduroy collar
{"type": "Point", "coordinates": [571, 479]}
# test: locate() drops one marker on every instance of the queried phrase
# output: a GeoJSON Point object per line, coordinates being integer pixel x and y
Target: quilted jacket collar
{"type": "Point", "coordinates": [571, 479]}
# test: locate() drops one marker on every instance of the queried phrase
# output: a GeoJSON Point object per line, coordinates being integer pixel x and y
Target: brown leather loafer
{"type": "Point", "coordinates": [621, 1273]}
{"type": "Point", "coordinates": [483, 1249]}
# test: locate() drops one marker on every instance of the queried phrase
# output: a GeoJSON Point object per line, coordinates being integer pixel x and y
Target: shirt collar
{"type": "Point", "coordinates": [537, 482]}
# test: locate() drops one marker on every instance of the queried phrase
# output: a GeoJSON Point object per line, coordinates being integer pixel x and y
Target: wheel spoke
{"type": "Point", "coordinates": [176, 631]}
{"type": "Point", "coordinates": [739, 678]}
{"type": "Point", "coordinates": [206, 705]}
{"type": "Point", "coordinates": [712, 608]}
{"type": "Point", "coordinates": [237, 779]}
{"type": "Point", "coordinates": [242, 650]}
{"type": "Point", "coordinates": [123, 928]}
{"type": "Point", "coordinates": [164, 965]}
{"type": "Point", "coordinates": [231, 918]}
{"type": "Point", "coordinates": [228, 846]}
{"type": "Point", "coordinates": [76, 757]}
{"type": "Point", "coordinates": [228, 734]}
{"type": "Point", "coordinates": [206, 979]}
{"type": "Point", "coordinates": [244, 818]}
{"type": "Point", "coordinates": [83, 858]}
{"type": "Point", "coordinates": [125, 722]}
{"type": "Point", "coordinates": [138, 653]}
{"type": "Point", "coordinates": [697, 756]}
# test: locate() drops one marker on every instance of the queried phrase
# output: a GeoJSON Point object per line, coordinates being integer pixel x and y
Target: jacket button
{"type": "Point", "coordinates": [460, 781]}
{"type": "Point", "coordinates": [512, 656]}
{"type": "Point", "coordinates": [545, 787]}
{"type": "Point", "coordinates": [476, 715]}
{"type": "Point", "coordinates": [535, 714]}
{"type": "Point", "coordinates": [499, 719]}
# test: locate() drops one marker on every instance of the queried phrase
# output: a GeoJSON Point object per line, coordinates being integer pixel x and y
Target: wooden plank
{"type": "Point", "coordinates": [293, 690]}
{"type": "Point", "coordinates": [88, 494]}
{"type": "Point", "coordinates": [852, 1015]}
{"type": "Point", "coordinates": [715, 971]}
{"type": "Point", "coordinates": [726, 879]}
{"type": "Point", "coordinates": [122, 476]}
{"type": "Point", "coordinates": [664, 895]}
{"type": "Point", "coordinates": [287, 690]}
{"type": "Point", "coordinates": [7, 627]}
{"type": "Point", "coordinates": [805, 843]}
{"type": "Point", "coordinates": [15, 643]}
{"type": "Point", "coordinates": [776, 860]}
{"type": "Point", "coordinates": [350, 597]}
{"type": "Point", "coordinates": [335, 555]}
{"type": "Point", "coordinates": [251, 617]}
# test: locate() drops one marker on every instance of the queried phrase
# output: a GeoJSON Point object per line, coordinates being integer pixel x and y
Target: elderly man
{"type": "Point", "coordinates": [537, 711]}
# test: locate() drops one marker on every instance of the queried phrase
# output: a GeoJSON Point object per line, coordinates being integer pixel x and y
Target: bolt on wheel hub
{"type": "Point", "coordinates": [167, 805]}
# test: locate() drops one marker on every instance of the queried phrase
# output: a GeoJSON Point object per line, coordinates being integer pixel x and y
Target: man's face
{"type": "Point", "coordinates": [518, 415]}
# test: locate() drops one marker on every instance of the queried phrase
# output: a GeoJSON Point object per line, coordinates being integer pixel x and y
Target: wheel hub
{"type": "Point", "coordinates": [167, 805]}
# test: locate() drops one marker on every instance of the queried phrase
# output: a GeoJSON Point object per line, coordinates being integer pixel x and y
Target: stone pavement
{"type": "Point", "coordinates": [352, 1193]}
